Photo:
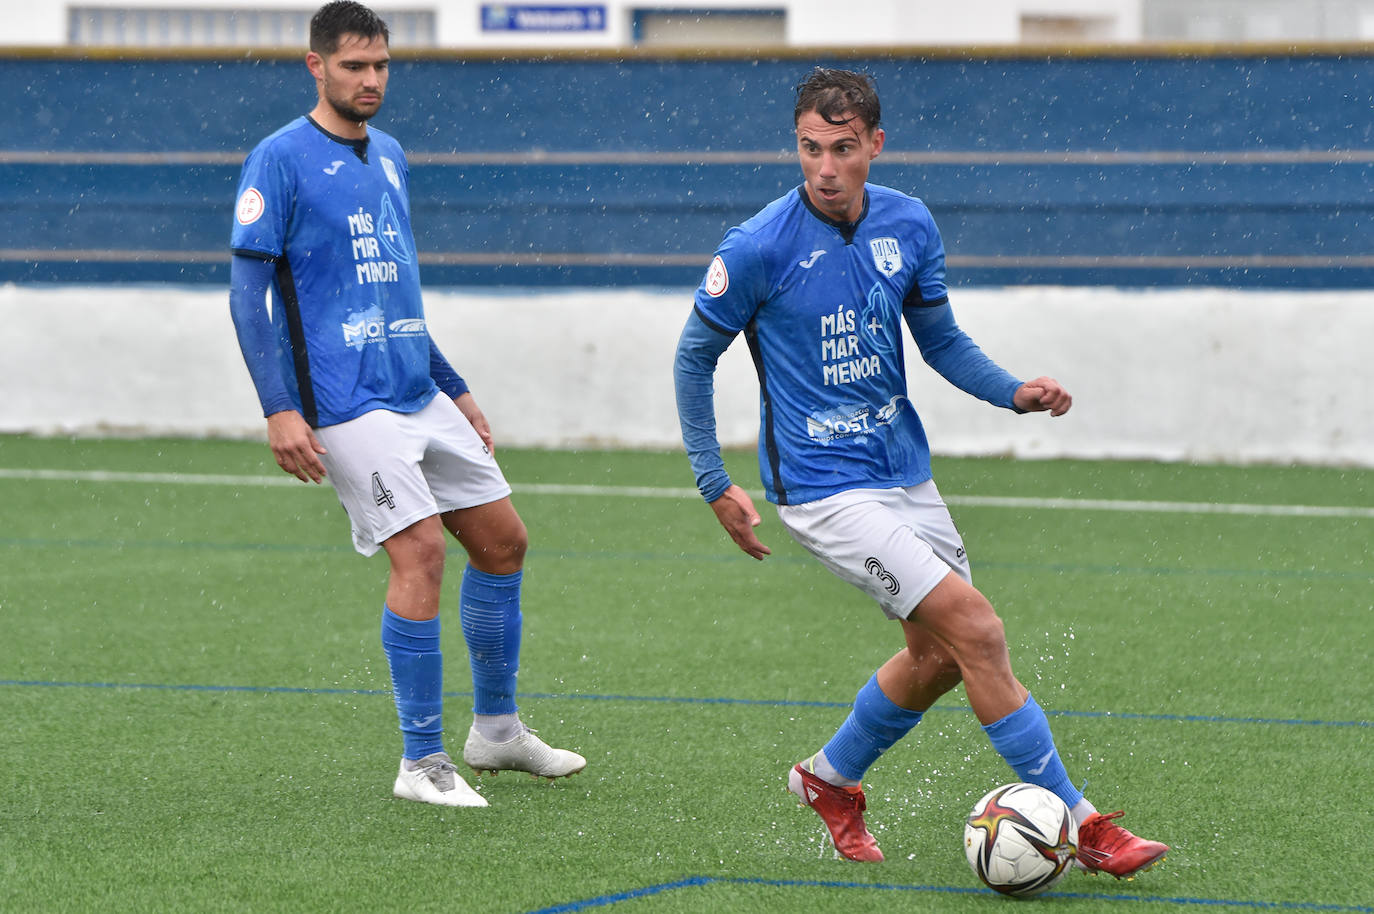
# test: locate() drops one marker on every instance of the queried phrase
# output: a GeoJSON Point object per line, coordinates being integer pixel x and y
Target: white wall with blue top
{"type": "Point", "coordinates": [1184, 240]}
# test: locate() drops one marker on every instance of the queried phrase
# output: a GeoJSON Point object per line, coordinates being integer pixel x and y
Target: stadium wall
{"type": "Point", "coordinates": [1209, 375]}
{"type": "Point", "coordinates": [1251, 166]}
{"type": "Point", "coordinates": [1182, 235]}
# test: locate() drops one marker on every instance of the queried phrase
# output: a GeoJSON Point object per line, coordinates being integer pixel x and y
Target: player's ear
{"type": "Point", "coordinates": [878, 137]}
{"type": "Point", "coordinates": [315, 64]}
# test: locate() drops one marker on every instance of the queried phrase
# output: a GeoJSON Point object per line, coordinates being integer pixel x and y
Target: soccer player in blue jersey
{"type": "Point", "coordinates": [820, 282]}
{"type": "Point", "coordinates": [354, 389]}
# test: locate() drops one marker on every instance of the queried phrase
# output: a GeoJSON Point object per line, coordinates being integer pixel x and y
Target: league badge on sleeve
{"type": "Point", "coordinates": [887, 256]}
{"type": "Point", "coordinates": [250, 207]}
{"type": "Point", "coordinates": [717, 279]}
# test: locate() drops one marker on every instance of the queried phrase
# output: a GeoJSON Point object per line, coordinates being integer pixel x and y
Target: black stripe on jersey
{"type": "Point", "coordinates": [256, 255]}
{"type": "Point", "coordinates": [712, 324]}
{"type": "Point", "coordinates": [291, 308]}
{"type": "Point", "coordinates": [770, 441]}
{"type": "Point", "coordinates": [915, 300]}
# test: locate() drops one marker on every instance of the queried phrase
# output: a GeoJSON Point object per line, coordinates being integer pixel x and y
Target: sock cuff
{"type": "Point", "coordinates": [875, 707]}
{"type": "Point", "coordinates": [492, 580]}
{"type": "Point", "coordinates": [412, 634]}
{"type": "Point", "coordinates": [1021, 720]}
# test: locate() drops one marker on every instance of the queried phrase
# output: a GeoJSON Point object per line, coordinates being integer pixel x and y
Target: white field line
{"type": "Point", "coordinates": [982, 501]}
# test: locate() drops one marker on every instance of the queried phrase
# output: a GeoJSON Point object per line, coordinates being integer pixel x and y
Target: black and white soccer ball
{"type": "Point", "coordinates": [1020, 839]}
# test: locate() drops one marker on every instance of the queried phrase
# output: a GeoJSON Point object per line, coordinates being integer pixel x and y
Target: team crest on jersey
{"type": "Point", "coordinates": [250, 207]}
{"type": "Point", "coordinates": [717, 279]}
{"type": "Point", "coordinates": [887, 256]}
{"type": "Point", "coordinates": [392, 174]}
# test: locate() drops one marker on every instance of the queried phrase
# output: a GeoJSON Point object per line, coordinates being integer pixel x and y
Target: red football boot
{"type": "Point", "coordinates": [1105, 847]}
{"type": "Point", "coordinates": [842, 811]}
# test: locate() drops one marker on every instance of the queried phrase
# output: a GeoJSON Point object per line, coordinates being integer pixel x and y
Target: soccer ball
{"type": "Point", "coordinates": [1020, 839]}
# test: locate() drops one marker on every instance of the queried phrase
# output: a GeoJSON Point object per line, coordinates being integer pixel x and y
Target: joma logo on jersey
{"type": "Point", "coordinates": [887, 256]}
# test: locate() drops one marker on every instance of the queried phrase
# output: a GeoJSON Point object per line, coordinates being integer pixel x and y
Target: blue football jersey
{"type": "Point", "coordinates": [334, 216]}
{"type": "Point", "coordinates": [821, 306]}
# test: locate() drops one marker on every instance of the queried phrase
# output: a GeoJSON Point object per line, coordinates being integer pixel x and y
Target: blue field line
{"type": "Point", "coordinates": [691, 882]}
{"type": "Point", "coordinates": [684, 700]}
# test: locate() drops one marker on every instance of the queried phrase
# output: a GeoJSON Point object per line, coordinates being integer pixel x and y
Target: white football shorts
{"type": "Point", "coordinates": [393, 469]}
{"type": "Point", "coordinates": [893, 544]}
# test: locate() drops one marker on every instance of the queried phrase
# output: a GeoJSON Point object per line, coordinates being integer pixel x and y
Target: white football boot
{"type": "Point", "coordinates": [434, 779]}
{"type": "Point", "coordinates": [523, 752]}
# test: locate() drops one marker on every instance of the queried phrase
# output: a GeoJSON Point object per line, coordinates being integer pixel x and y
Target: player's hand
{"type": "Point", "coordinates": [295, 446]}
{"type": "Point", "coordinates": [735, 511]}
{"type": "Point", "coordinates": [467, 405]}
{"type": "Point", "coordinates": [1042, 394]}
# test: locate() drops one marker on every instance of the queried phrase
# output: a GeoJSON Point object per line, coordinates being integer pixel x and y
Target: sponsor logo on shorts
{"type": "Point", "coordinates": [875, 568]}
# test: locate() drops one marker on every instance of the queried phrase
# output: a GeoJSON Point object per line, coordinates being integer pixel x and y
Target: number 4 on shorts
{"type": "Point", "coordinates": [380, 493]}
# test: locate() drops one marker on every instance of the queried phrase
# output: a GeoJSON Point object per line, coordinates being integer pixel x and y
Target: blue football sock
{"type": "Point", "coordinates": [417, 681]}
{"type": "Point", "coordinates": [870, 730]}
{"type": "Point", "coordinates": [491, 627]}
{"type": "Point", "coordinates": [1023, 738]}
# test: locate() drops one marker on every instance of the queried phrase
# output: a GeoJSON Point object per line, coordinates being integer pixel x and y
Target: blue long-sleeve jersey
{"type": "Point", "coordinates": [324, 222]}
{"type": "Point", "coordinates": [820, 304]}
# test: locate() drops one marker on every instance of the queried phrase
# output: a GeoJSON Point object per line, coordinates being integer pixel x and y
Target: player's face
{"type": "Point", "coordinates": [352, 80]}
{"type": "Point", "coordinates": [834, 159]}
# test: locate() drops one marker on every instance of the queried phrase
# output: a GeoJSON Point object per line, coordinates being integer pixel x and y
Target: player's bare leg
{"type": "Point", "coordinates": [916, 676]}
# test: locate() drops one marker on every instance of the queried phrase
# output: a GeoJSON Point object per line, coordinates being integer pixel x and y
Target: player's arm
{"type": "Point", "coordinates": [449, 381]}
{"type": "Point", "coordinates": [454, 387]}
{"type": "Point", "coordinates": [950, 351]}
{"type": "Point", "coordinates": [698, 352]}
{"type": "Point", "coordinates": [291, 439]}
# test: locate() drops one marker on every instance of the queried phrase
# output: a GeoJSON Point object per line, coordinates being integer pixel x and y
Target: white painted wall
{"type": "Point", "coordinates": [1204, 375]}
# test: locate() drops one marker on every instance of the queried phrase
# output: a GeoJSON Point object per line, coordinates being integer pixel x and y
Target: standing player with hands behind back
{"type": "Point", "coordinates": [354, 389]}
{"type": "Point", "coordinates": [819, 282]}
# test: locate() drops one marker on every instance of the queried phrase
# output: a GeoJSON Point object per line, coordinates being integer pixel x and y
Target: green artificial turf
{"type": "Point", "coordinates": [197, 714]}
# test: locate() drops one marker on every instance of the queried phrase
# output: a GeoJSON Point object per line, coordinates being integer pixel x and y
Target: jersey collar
{"type": "Point", "coordinates": [359, 147]}
{"type": "Point", "coordinates": [846, 229]}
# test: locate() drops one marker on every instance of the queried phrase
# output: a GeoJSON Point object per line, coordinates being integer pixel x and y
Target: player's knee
{"type": "Point", "coordinates": [939, 667]}
{"type": "Point", "coordinates": [429, 559]}
{"type": "Point", "coordinates": [986, 636]}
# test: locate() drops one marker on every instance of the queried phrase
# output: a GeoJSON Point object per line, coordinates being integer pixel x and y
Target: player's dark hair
{"type": "Point", "coordinates": [344, 17]}
{"type": "Point", "coordinates": [839, 96]}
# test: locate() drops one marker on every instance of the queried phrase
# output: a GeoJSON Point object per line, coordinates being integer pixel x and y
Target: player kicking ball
{"type": "Point", "coordinates": [820, 282]}
{"type": "Point", "coordinates": [355, 390]}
